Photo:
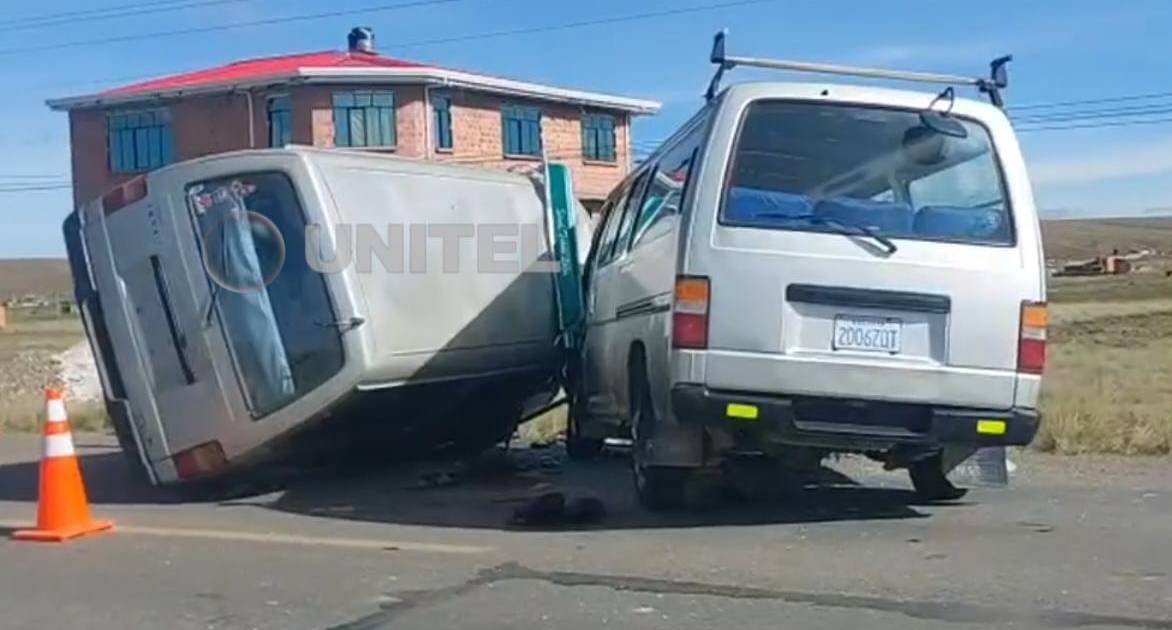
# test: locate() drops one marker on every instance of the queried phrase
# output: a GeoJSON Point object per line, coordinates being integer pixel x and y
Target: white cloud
{"type": "Point", "coordinates": [1111, 163]}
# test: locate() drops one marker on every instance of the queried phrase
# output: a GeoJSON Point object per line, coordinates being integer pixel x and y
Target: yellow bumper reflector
{"type": "Point", "coordinates": [741, 411]}
{"type": "Point", "coordinates": [991, 427]}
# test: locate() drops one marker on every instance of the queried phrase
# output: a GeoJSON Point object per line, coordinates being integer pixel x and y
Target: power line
{"type": "Point", "coordinates": [30, 176]}
{"type": "Point", "coordinates": [223, 27]}
{"type": "Point", "coordinates": [468, 37]}
{"type": "Point", "coordinates": [19, 189]}
{"type": "Point", "coordinates": [145, 10]}
{"type": "Point", "coordinates": [1096, 125]}
{"type": "Point", "coordinates": [417, 3]}
{"type": "Point", "coordinates": [1119, 112]}
{"type": "Point", "coordinates": [583, 23]}
{"type": "Point", "coordinates": [1092, 101]}
{"type": "Point", "coordinates": [84, 12]}
{"type": "Point", "coordinates": [118, 79]}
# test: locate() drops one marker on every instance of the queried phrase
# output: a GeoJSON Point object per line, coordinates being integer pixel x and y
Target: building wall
{"type": "Point", "coordinates": [477, 139]}
{"type": "Point", "coordinates": [200, 126]}
{"type": "Point", "coordinates": [313, 116]}
{"type": "Point", "coordinates": [205, 125]}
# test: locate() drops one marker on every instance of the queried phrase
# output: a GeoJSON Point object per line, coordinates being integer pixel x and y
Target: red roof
{"type": "Point", "coordinates": [258, 69]}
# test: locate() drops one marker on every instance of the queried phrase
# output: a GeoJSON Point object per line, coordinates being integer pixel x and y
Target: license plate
{"type": "Point", "coordinates": [870, 334]}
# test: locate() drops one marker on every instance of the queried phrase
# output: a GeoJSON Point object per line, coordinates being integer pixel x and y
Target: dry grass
{"type": "Point", "coordinates": [1108, 387]}
{"type": "Point", "coordinates": [1102, 289]}
{"type": "Point", "coordinates": [1086, 238]}
{"type": "Point", "coordinates": [1108, 384]}
{"type": "Point", "coordinates": [544, 429]}
{"type": "Point", "coordinates": [27, 415]}
{"type": "Point", "coordinates": [35, 276]}
{"type": "Point", "coordinates": [26, 369]}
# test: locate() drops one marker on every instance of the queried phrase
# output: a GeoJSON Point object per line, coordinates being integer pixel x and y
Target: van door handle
{"type": "Point", "coordinates": [343, 325]}
{"type": "Point", "coordinates": [178, 339]}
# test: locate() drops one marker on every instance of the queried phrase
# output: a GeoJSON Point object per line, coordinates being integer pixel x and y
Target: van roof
{"type": "Point", "coordinates": [366, 158]}
{"type": "Point", "coordinates": [847, 93]}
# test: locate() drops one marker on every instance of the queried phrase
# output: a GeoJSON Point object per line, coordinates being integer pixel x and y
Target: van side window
{"type": "Point", "coordinates": [591, 262]}
{"type": "Point", "coordinates": [630, 209]}
{"type": "Point", "coordinates": [665, 194]}
{"type": "Point", "coordinates": [609, 226]}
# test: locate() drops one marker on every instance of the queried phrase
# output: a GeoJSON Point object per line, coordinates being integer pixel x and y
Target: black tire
{"type": "Point", "coordinates": [659, 488]}
{"type": "Point", "coordinates": [578, 446]}
{"type": "Point", "coordinates": [930, 481]}
{"type": "Point", "coordinates": [122, 430]}
{"type": "Point", "coordinates": [499, 419]}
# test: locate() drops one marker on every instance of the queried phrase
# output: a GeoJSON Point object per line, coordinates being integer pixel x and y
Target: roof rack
{"type": "Point", "coordinates": [992, 86]}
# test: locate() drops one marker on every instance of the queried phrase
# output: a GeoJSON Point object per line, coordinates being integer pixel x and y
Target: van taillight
{"type": "Point", "coordinates": [124, 195]}
{"type": "Point", "coordinates": [690, 313]}
{"type": "Point", "coordinates": [199, 460]}
{"type": "Point", "coordinates": [1031, 344]}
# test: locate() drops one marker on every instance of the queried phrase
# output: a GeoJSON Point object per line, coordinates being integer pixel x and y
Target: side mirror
{"type": "Point", "coordinates": [924, 146]}
{"type": "Point", "coordinates": [943, 124]}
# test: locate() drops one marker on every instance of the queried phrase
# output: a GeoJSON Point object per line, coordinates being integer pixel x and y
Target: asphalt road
{"type": "Point", "coordinates": [1074, 543]}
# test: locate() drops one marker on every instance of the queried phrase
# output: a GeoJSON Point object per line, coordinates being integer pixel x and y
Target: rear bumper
{"type": "Point", "coordinates": [850, 424]}
{"type": "Point", "coordinates": [828, 375]}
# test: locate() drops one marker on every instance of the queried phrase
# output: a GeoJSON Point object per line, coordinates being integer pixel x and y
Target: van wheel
{"type": "Point", "coordinates": [931, 483]}
{"type": "Point", "coordinates": [497, 422]}
{"type": "Point", "coordinates": [658, 487]}
{"type": "Point", "coordinates": [661, 488]}
{"type": "Point", "coordinates": [578, 446]}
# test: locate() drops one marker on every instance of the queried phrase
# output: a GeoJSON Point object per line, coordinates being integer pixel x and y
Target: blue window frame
{"type": "Point", "coordinates": [521, 130]}
{"type": "Point", "coordinates": [280, 111]}
{"type": "Point", "coordinates": [442, 106]}
{"type": "Point", "coordinates": [364, 118]}
{"type": "Point", "coordinates": [139, 141]}
{"type": "Point", "coordinates": [598, 142]}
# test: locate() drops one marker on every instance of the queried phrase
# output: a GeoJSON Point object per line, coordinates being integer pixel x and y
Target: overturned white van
{"type": "Point", "coordinates": [355, 299]}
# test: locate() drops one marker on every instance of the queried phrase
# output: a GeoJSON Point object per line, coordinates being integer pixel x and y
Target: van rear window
{"type": "Point", "coordinates": [819, 167]}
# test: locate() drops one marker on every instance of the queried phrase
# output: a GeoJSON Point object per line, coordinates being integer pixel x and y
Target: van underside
{"type": "Point", "coordinates": [846, 425]}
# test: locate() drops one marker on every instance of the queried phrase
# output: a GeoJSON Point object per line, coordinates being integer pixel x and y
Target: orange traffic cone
{"type": "Point", "coordinates": [63, 511]}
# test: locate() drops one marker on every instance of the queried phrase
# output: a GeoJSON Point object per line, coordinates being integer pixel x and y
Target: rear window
{"type": "Point", "coordinates": [823, 167]}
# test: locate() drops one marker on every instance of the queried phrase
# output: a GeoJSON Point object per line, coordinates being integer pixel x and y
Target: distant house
{"type": "Point", "coordinates": [355, 99]}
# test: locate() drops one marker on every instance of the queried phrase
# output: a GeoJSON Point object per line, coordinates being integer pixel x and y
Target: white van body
{"type": "Point", "coordinates": [395, 347]}
{"type": "Point", "coordinates": [763, 232]}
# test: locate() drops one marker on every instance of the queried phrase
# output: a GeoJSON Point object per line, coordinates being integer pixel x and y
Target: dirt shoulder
{"type": "Point", "coordinates": [36, 353]}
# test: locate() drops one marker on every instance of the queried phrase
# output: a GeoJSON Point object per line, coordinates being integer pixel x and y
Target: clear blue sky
{"type": "Point", "coordinates": [1064, 51]}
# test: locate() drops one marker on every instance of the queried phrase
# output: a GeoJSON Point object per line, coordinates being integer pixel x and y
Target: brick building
{"type": "Point", "coordinates": [356, 99]}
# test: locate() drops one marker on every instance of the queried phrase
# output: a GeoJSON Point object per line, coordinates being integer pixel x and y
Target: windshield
{"type": "Point", "coordinates": [817, 167]}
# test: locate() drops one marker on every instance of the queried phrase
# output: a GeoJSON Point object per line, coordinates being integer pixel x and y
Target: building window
{"type": "Point", "coordinates": [280, 121]}
{"type": "Point", "coordinates": [521, 130]}
{"type": "Point", "coordinates": [598, 137]}
{"type": "Point", "coordinates": [364, 119]}
{"type": "Point", "coordinates": [139, 141]}
{"type": "Point", "coordinates": [442, 106]}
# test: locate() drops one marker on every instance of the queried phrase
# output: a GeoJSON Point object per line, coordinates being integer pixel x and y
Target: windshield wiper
{"type": "Point", "coordinates": [848, 228]}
